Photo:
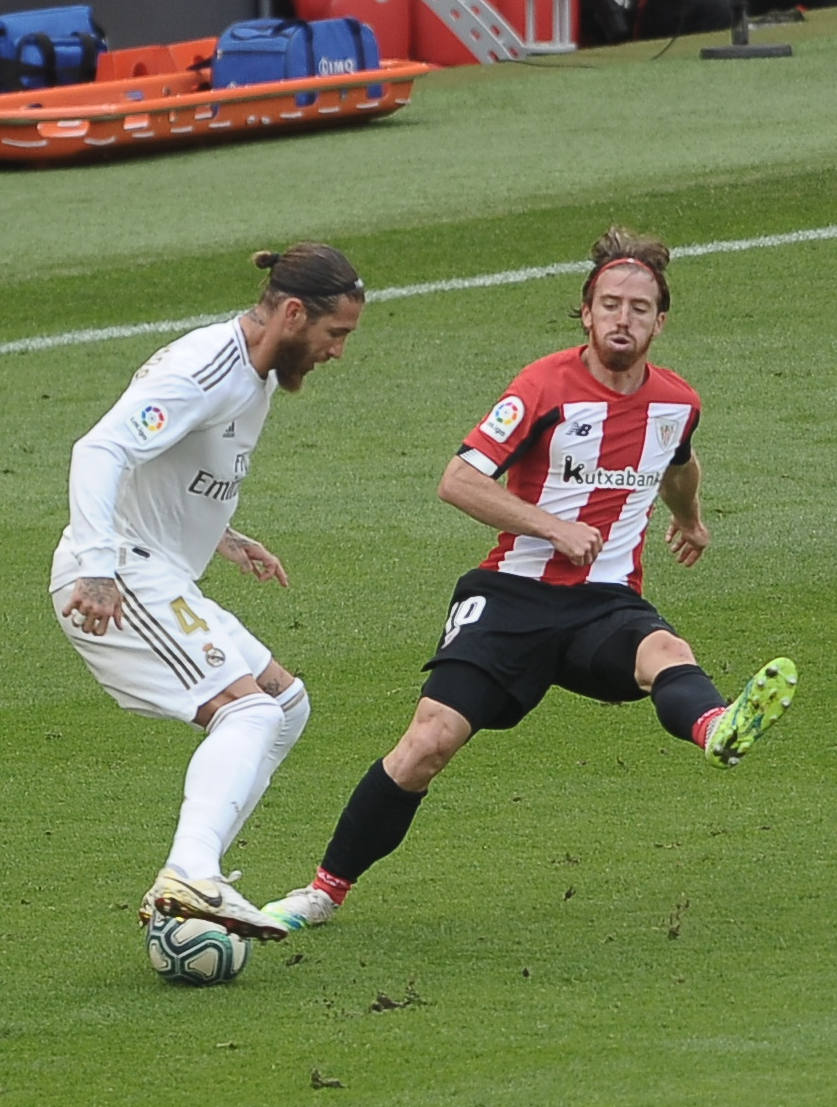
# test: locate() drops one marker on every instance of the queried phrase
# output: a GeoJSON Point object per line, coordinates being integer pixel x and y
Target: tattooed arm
{"type": "Point", "coordinates": [251, 557]}
{"type": "Point", "coordinates": [94, 602]}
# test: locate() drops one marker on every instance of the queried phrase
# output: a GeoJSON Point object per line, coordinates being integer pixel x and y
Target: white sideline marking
{"type": "Point", "coordinates": [455, 284]}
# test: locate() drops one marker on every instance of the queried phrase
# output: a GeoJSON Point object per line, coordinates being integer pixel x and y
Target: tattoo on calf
{"type": "Point", "coordinates": [271, 687]}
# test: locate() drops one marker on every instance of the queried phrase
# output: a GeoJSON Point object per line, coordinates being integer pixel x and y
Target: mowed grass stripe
{"type": "Point", "coordinates": [454, 284]}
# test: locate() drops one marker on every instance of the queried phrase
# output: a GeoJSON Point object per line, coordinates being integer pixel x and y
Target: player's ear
{"type": "Point", "coordinates": [293, 312]}
{"type": "Point", "coordinates": [660, 322]}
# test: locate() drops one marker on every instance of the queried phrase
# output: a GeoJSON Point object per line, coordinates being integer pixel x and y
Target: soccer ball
{"type": "Point", "coordinates": [194, 950]}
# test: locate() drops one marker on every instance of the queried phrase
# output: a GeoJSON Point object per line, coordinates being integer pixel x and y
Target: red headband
{"type": "Point", "coordinates": [626, 261]}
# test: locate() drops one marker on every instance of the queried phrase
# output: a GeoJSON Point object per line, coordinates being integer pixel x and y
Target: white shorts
{"type": "Point", "coordinates": [176, 650]}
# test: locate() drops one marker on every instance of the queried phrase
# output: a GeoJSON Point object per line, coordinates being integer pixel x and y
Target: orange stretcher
{"type": "Point", "coordinates": [160, 97]}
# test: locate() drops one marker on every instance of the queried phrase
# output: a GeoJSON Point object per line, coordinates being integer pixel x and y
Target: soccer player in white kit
{"type": "Point", "coordinates": [587, 438]}
{"type": "Point", "coordinates": [153, 488]}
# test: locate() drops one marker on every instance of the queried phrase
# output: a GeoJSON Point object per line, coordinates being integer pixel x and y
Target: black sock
{"type": "Point", "coordinates": [373, 823]}
{"type": "Point", "coordinates": [681, 695]}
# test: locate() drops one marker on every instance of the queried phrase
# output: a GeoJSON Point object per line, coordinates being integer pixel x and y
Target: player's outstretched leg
{"type": "Point", "coordinates": [302, 907]}
{"type": "Point", "coordinates": [764, 699]}
{"type": "Point", "coordinates": [215, 900]}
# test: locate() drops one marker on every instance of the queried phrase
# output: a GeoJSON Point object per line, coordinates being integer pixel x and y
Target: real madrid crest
{"type": "Point", "coordinates": [214, 656]}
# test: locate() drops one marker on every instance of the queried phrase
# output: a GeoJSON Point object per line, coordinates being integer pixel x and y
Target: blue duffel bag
{"type": "Point", "coordinates": [49, 46]}
{"type": "Point", "coordinates": [259, 50]}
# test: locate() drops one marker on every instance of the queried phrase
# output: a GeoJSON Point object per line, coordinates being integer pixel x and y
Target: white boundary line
{"type": "Point", "coordinates": [456, 284]}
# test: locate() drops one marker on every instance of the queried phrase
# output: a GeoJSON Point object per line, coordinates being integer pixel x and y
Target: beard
{"type": "Point", "coordinates": [618, 361]}
{"type": "Point", "coordinates": [293, 361]}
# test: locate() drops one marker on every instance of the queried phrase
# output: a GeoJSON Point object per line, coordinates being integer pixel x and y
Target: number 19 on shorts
{"type": "Point", "coordinates": [462, 613]}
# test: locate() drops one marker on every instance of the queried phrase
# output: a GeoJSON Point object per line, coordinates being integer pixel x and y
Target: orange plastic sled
{"type": "Point", "coordinates": [159, 97]}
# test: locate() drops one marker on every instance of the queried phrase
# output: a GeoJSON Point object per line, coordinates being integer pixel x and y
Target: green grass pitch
{"type": "Point", "coordinates": [585, 914]}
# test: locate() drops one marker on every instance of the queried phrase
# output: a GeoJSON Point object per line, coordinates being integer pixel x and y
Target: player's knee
{"type": "Point", "coordinates": [296, 708]}
{"type": "Point", "coordinates": [257, 714]}
{"type": "Point", "coordinates": [431, 740]}
{"type": "Point", "coordinates": [658, 651]}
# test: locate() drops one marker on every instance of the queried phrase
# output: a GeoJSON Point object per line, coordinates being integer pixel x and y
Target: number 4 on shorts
{"type": "Point", "coordinates": [186, 617]}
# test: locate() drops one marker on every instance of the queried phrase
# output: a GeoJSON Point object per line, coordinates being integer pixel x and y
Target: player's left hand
{"type": "Point", "coordinates": [252, 557]}
{"type": "Point", "coordinates": [257, 559]}
{"type": "Point", "coordinates": [687, 542]}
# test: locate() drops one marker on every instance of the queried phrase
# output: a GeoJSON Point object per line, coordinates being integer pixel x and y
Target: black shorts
{"type": "Point", "coordinates": [508, 639]}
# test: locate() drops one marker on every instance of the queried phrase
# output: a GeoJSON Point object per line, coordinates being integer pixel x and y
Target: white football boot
{"type": "Point", "coordinates": [215, 900]}
{"type": "Point", "coordinates": [302, 907]}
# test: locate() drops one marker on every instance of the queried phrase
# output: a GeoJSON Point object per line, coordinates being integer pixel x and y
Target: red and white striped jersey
{"type": "Point", "coordinates": [585, 454]}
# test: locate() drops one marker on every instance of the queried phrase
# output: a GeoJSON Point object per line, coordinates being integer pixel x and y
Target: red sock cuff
{"type": "Point", "coordinates": [701, 727]}
{"type": "Point", "coordinates": [334, 886]}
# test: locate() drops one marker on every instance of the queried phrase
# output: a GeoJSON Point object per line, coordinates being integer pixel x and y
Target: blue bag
{"type": "Point", "coordinates": [49, 46]}
{"type": "Point", "coordinates": [259, 50]}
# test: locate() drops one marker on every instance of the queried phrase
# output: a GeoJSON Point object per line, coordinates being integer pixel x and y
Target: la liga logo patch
{"type": "Point", "coordinates": [153, 418]}
{"type": "Point", "coordinates": [147, 422]}
{"type": "Point", "coordinates": [504, 417]}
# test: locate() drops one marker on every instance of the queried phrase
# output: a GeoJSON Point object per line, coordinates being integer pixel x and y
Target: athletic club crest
{"type": "Point", "coordinates": [667, 430]}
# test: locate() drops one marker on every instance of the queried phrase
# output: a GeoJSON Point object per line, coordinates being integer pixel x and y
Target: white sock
{"type": "Point", "coordinates": [222, 776]}
{"type": "Point", "coordinates": [296, 707]}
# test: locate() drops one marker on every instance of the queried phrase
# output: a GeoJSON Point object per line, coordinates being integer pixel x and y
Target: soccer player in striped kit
{"type": "Point", "coordinates": [153, 488]}
{"type": "Point", "coordinates": [586, 439]}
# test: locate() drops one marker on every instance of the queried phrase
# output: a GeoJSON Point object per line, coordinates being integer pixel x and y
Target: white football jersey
{"type": "Point", "coordinates": [162, 469]}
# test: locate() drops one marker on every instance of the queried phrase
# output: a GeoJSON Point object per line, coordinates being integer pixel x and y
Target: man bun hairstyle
{"type": "Point", "coordinates": [312, 272]}
{"type": "Point", "coordinates": [621, 245]}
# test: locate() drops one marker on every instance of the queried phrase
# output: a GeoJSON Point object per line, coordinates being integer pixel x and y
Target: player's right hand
{"type": "Point", "coordinates": [579, 543]}
{"type": "Point", "coordinates": [94, 602]}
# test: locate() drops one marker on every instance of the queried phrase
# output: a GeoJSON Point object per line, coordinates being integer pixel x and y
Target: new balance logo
{"type": "Point", "coordinates": [581, 429]}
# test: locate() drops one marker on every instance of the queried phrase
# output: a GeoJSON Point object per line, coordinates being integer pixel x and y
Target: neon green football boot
{"type": "Point", "coordinates": [765, 698]}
